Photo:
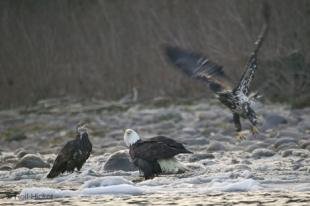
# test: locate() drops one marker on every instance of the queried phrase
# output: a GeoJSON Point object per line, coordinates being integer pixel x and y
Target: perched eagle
{"type": "Point", "coordinates": [73, 155]}
{"type": "Point", "coordinates": [155, 155]}
{"type": "Point", "coordinates": [237, 99]}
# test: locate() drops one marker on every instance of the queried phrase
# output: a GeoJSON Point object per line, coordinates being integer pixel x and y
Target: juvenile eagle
{"type": "Point", "coordinates": [73, 155]}
{"type": "Point", "coordinates": [237, 99]}
{"type": "Point", "coordinates": [155, 155]}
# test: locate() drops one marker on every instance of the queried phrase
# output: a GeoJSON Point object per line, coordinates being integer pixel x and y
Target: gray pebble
{"type": "Point", "coordinates": [251, 148]}
{"type": "Point", "coordinates": [306, 145]}
{"type": "Point", "coordinates": [246, 162]}
{"type": "Point", "coordinates": [259, 153]}
{"type": "Point", "coordinates": [216, 146]}
{"type": "Point", "coordinates": [21, 154]}
{"type": "Point", "coordinates": [5, 168]}
{"type": "Point", "coordinates": [287, 153]}
{"type": "Point", "coordinates": [197, 157]}
{"type": "Point", "coordinates": [290, 145]}
{"type": "Point", "coordinates": [284, 140]}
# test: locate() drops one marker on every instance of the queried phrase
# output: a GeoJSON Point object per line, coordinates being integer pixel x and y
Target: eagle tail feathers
{"type": "Point", "coordinates": [172, 166]}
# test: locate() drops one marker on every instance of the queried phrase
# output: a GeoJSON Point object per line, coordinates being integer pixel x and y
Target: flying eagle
{"type": "Point", "coordinates": [73, 155]}
{"type": "Point", "coordinates": [154, 155]}
{"type": "Point", "coordinates": [237, 99]}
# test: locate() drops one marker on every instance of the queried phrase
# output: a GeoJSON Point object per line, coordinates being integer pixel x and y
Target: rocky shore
{"type": "Point", "coordinates": [277, 158]}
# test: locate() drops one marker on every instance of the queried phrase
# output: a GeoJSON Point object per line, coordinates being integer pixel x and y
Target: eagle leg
{"type": "Point", "coordinates": [253, 119]}
{"type": "Point", "coordinates": [146, 167]}
{"type": "Point", "coordinates": [240, 135]}
{"type": "Point", "coordinates": [236, 119]}
{"type": "Point", "coordinates": [254, 130]}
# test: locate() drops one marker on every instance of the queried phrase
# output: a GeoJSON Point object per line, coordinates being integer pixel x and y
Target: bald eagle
{"type": "Point", "coordinates": [237, 99]}
{"type": "Point", "coordinates": [155, 155]}
{"type": "Point", "coordinates": [73, 155]}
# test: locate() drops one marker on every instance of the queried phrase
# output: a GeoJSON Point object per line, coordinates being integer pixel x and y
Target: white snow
{"type": "Point", "coordinates": [122, 189]}
{"type": "Point", "coordinates": [100, 186]}
{"type": "Point", "coordinates": [242, 185]}
{"type": "Point", "coordinates": [106, 181]}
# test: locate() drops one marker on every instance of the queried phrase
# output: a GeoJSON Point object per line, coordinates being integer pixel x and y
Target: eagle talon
{"type": "Point", "coordinates": [241, 135]}
{"type": "Point", "coordinates": [255, 131]}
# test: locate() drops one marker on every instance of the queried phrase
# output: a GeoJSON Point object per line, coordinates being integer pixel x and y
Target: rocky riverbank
{"type": "Point", "coordinates": [278, 159]}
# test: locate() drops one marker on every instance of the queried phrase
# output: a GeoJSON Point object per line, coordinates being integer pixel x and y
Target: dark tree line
{"type": "Point", "coordinates": [104, 49]}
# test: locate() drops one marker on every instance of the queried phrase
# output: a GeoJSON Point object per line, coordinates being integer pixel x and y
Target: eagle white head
{"type": "Point", "coordinates": [130, 137]}
{"type": "Point", "coordinates": [81, 129]}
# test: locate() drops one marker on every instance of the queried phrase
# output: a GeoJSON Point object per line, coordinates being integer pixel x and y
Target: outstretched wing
{"type": "Point", "coordinates": [251, 66]}
{"type": "Point", "coordinates": [152, 150]}
{"type": "Point", "coordinates": [199, 67]}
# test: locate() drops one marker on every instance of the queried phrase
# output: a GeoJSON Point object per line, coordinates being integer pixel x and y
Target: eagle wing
{"type": "Point", "coordinates": [251, 66]}
{"type": "Point", "coordinates": [247, 77]}
{"type": "Point", "coordinates": [153, 150]}
{"type": "Point", "coordinates": [62, 159]}
{"type": "Point", "coordinates": [199, 67]}
{"type": "Point", "coordinates": [170, 142]}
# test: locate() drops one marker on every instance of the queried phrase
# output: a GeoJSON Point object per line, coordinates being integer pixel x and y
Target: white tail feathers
{"type": "Point", "coordinates": [171, 165]}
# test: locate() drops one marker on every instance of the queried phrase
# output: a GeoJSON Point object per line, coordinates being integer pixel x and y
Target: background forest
{"type": "Point", "coordinates": [107, 49]}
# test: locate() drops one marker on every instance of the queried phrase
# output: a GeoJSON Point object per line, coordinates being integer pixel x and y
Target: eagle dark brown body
{"type": "Point", "coordinates": [73, 155]}
{"type": "Point", "coordinates": [154, 155]}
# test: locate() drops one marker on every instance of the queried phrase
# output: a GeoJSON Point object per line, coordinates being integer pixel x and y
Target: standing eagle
{"type": "Point", "coordinates": [73, 155]}
{"type": "Point", "coordinates": [237, 99]}
{"type": "Point", "coordinates": [155, 155]}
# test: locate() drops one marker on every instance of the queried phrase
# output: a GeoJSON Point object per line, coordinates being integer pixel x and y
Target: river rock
{"type": "Point", "coordinates": [197, 157]}
{"type": "Point", "coordinates": [196, 141]}
{"type": "Point", "coordinates": [301, 153]}
{"type": "Point", "coordinates": [246, 162]}
{"type": "Point", "coordinates": [31, 161]}
{"type": "Point", "coordinates": [21, 154]}
{"type": "Point", "coordinates": [295, 152]}
{"type": "Point", "coordinates": [306, 145]}
{"type": "Point", "coordinates": [287, 153]}
{"type": "Point", "coordinates": [252, 147]}
{"type": "Point", "coordinates": [273, 120]}
{"type": "Point", "coordinates": [216, 146]}
{"type": "Point", "coordinates": [119, 161]}
{"type": "Point", "coordinates": [290, 145]}
{"type": "Point", "coordinates": [259, 153]}
{"type": "Point", "coordinates": [8, 157]}
{"type": "Point", "coordinates": [290, 132]}
{"type": "Point", "coordinates": [284, 140]}
{"type": "Point", "coordinates": [5, 168]}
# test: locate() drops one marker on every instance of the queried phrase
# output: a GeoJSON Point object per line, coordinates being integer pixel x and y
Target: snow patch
{"type": "Point", "coordinates": [106, 181]}
{"type": "Point", "coordinates": [239, 185]}
{"type": "Point", "coordinates": [122, 189]}
{"type": "Point", "coordinates": [99, 186]}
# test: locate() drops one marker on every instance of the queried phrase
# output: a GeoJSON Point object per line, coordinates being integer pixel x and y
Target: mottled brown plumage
{"type": "Point", "coordinates": [237, 98]}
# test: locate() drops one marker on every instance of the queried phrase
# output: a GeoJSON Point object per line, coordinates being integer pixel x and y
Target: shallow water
{"type": "Point", "coordinates": [245, 198]}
